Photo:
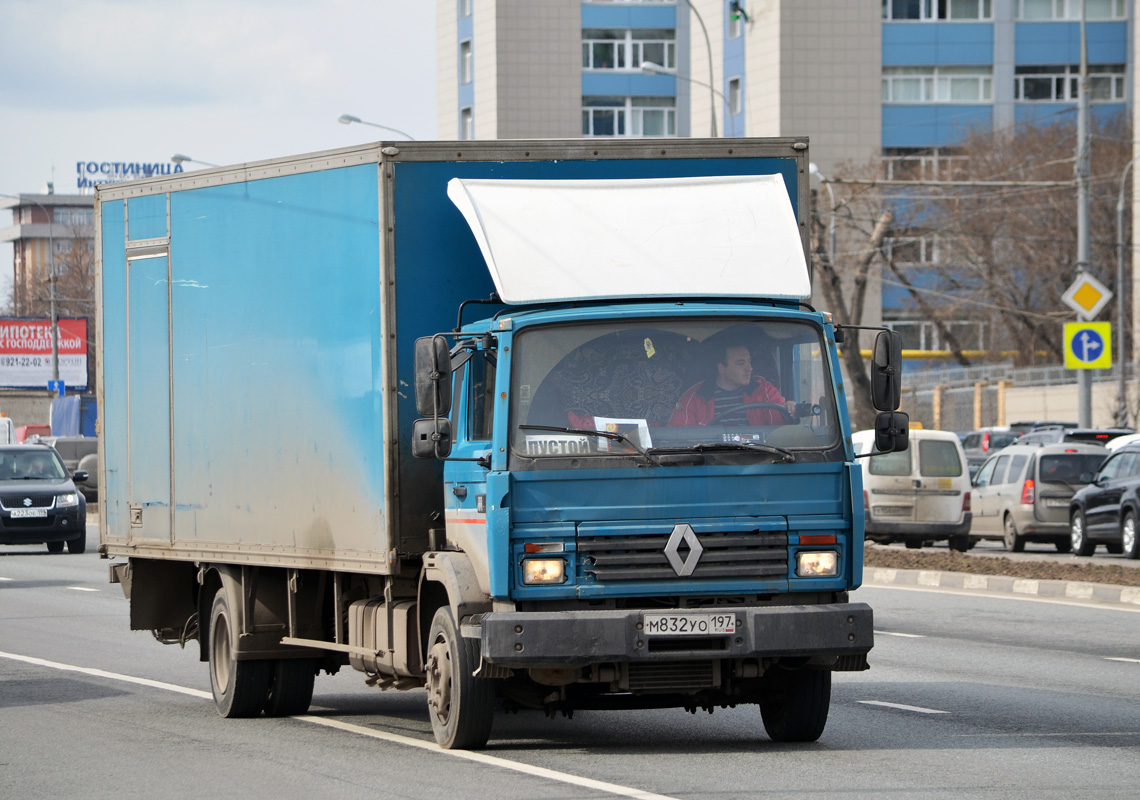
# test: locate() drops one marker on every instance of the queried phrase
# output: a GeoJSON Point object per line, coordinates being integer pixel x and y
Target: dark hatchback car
{"type": "Point", "coordinates": [39, 503]}
{"type": "Point", "coordinates": [1106, 511]}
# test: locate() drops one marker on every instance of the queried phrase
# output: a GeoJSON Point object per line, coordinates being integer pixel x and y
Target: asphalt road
{"type": "Point", "coordinates": [977, 697]}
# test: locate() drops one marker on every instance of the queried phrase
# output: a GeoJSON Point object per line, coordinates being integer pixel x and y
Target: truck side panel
{"type": "Point", "coordinates": [112, 365]}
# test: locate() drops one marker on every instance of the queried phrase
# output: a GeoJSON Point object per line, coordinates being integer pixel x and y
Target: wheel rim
{"type": "Point", "coordinates": [1010, 533]}
{"type": "Point", "coordinates": [1129, 534]}
{"type": "Point", "coordinates": [1077, 532]}
{"type": "Point", "coordinates": [439, 679]}
{"type": "Point", "coordinates": [220, 649]}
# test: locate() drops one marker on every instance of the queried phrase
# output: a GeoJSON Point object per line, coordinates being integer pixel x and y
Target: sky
{"type": "Point", "coordinates": [222, 81]}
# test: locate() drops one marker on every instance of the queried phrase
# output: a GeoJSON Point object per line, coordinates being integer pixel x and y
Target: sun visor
{"type": "Point", "coordinates": [546, 241]}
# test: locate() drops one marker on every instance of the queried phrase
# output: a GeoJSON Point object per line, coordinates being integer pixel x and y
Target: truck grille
{"type": "Point", "coordinates": [751, 554]}
{"type": "Point", "coordinates": [682, 676]}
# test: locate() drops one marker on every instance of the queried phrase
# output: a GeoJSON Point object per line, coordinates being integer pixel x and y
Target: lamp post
{"type": "Point", "coordinates": [649, 68]}
{"type": "Point", "coordinates": [51, 286]}
{"type": "Point", "coordinates": [348, 119]}
{"type": "Point", "coordinates": [1122, 386]}
{"type": "Point", "coordinates": [708, 47]}
{"type": "Point", "coordinates": [178, 158]}
{"type": "Point", "coordinates": [814, 170]}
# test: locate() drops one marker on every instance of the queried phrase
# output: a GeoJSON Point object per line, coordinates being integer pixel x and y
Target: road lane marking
{"type": "Point", "coordinates": [5, 579]}
{"type": "Point", "coordinates": [1022, 598]}
{"type": "Point", "coordinates": [903, 635]}
{"type": "Point", "coordinates": [348, 727]}
{"type": "Point", "coordinates": [1126, 660]}
{"type": "Point", "coordinates": [901, 707]}
{"type": "Point", "coordinates": [82, 589]}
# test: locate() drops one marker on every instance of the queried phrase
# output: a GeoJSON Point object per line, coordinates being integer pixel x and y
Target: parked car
{"type": "Point", "coordinates": [1106, 511]}
{"type": "Point", "coordinates": [1121, 441]}
{"type": "Point", "coordinates": [919, 495]}
{"type": "Point", "coordinates": [984, 442]}
{"type": "Point", "coordinates": [79, 453]}
{"type": "Point", "coordinates": [38, 499]}
{"type": "Point", "coordinates": [1022, 494]}
{"type": "Point", "coordinates": [1060, 434]}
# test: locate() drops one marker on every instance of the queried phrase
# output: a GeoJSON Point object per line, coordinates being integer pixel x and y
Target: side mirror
{"type": "Point", "coordinates": [886, 371]}
{"type": "Point", "coordinates": [892, 432]}
{"type": "Point", "coordinates": [431, 438]}
{"type": "Point", "coordinates": [433, 376]}
{"type": "Point", "coordinates": [79, 476]}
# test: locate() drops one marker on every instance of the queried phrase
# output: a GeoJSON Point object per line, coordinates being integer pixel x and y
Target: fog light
{"type": "Point", "coordinates": [544, 570]}
{"type": "Point", "coordinates": [823, 564]}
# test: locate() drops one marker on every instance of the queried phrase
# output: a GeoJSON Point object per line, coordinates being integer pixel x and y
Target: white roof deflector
{"type": "Point", "coordinates": [552, 240]}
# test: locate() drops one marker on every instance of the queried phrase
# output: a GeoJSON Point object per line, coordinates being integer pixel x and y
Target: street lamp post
{"type": "Point", "coordinates": [348, 119]}
{"type": "Point", "coordinates": [1122, 386]}
{"type": "Point", "coordinates": [708, 47]}
{"type": "Point", "coordinates": [178, 158]}
{"type": "Point", "coordinates": [51, 286]}
{"type": "Point", "coordinates": [650, 68]}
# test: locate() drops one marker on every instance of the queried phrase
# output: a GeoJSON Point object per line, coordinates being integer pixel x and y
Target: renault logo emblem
{"type": "Point", "coordinates": [683, 534]}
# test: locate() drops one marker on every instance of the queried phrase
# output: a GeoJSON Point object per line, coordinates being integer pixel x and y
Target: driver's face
{"type": "Point", "coordinates": [736, 371]}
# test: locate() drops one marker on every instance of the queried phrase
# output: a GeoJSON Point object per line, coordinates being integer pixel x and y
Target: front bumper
{"type": "Point", "coordinates": [578, 638]}
{"type": "Point", "coordinates": [61, 525]}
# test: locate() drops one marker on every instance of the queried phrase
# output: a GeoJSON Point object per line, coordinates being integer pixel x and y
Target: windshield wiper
{"type": "Point", "coordinates": [621, 437]}
{"type": "Point", "coordinates": [786, 456]}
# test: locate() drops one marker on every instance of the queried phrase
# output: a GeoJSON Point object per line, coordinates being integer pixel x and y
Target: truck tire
{"type": "Point", "coordinates": [1078, 538]}
{"type": "Point", "coordinates": [291, 687]}
{"type": "Point", "coordinates": [797, 711]}
{"type": "Point", "coordinates": [1010, 538]}
{"type": "Point", "coordinates": [460, 705]}
{"type": "Point", "coordinates": [240, 687]}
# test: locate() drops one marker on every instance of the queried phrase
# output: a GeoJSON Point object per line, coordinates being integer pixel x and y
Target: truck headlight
{"type": "Point", "coordinates": [67, 500]}
{"type": "Point", "coordinates": [544, 570]}
{"type": "Point", "coordinates": [822, 564]}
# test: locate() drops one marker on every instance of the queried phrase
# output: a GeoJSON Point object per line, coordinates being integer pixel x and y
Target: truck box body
{"type": "Point", "coordinates": [481, 417]}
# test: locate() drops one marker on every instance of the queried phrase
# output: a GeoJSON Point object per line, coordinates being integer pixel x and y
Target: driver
{"type": "Point", "coordinates": [725, 397]}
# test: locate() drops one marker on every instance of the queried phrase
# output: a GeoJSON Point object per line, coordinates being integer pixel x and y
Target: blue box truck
{"type": "Point", "coordinates": [524, 424]}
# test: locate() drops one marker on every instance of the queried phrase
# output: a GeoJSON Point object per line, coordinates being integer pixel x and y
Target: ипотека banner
{"type": "Point", "coordinates": [25, 353]}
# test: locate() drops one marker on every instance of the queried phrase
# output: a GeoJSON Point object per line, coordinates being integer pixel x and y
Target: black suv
{"type": "Point", "coordinates": [1106, 511]}
{"type": "Point", "coordinates": [38, 499]}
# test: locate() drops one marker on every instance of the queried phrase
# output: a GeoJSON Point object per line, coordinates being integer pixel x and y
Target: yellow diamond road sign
{"type": "Point", "coordinates": [1087, 296]}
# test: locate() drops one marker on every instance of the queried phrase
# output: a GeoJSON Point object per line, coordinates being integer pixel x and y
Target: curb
{"type": "Point", "coordinates": [1098, 593]}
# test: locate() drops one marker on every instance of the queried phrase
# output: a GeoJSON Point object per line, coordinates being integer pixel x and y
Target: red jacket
{"type": "Point", "coordinates": [695, 409]}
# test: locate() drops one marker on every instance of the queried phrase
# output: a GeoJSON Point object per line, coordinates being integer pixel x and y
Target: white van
{"type": "Point", "coordinates": [919, 495]}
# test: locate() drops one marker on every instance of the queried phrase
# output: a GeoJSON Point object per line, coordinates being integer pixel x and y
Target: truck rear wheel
{"type": "Point", "coordinates": [460, 705]}
{"type": "Point", "coordinates": [797, 710]}
{"type": "Point", "coordinates": [291, 687]}
{"type": "Point", "coordinates": [240, 687]}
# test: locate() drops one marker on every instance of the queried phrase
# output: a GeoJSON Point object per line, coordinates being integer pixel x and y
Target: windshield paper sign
{"type": "Point", "coordinates": [25, 353]}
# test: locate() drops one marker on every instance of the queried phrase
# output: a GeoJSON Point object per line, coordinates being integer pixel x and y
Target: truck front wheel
{"type": "Point", "coordinates": [240, 687]}
{"type": "Point", "coordinates": [797, 706]}
{"type": "Point", "coordinates": [460, 705]}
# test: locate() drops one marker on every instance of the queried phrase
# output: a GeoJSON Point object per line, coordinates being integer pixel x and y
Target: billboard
{"type": "Point", "coordinates": [25, 353]}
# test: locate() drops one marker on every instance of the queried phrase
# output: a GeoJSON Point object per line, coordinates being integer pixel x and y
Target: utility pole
{"type": "Point", "coordinates": [1084, 249]}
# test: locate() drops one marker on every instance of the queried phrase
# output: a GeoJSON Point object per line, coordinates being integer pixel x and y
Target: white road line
{"type": "Point", "coordinates": [1021, 598]}
{"type": "Point", "coordinates": [82, 589]}
{"type": "Point", "coordinates": [5, 579]}
{"type": "Point", "coordinates": [1126, 660]}
{"type": "Point", "coordinates": [395, 738]}
{"type": "Point", "coordinates": [903, 635]}
{"type": "Point", "coordinates": [901, 707]}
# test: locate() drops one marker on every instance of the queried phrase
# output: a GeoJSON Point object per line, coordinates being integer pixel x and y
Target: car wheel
{"type": "Point", "coordinates": [240, 687]}
{"type": "Point", "coordinates": [78, 544]}
{"type": "Point", "coordinates": [1078, 539]}
{"type": "Point", "coordinates": [797, 710]}
{"type": "Point", "coordinates": [55, 547]}
{"type": "Point", "coordinates": [1013, 543]}
{"type": "Point", "coordinates": [1128, 536]}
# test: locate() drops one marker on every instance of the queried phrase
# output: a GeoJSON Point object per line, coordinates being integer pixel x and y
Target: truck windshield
{"type": "Point", "coordinates": [641, 389]}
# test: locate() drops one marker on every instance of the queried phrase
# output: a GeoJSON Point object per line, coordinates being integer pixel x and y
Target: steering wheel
{"type": "Point", "coordinates": [784, 415]}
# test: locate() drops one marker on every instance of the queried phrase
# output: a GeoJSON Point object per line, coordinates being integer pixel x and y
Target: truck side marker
{"type": "Point", "coordinates": [394, 738]}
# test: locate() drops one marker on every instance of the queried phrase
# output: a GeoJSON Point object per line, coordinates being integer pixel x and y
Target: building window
{"type": "Point", "coordinates": [935, 10]}
{"type": "Point", "coordinates": [466, 123]}
{"type": "Point", "coordinates": [464, 8]}
{"type": "Point", "coordinates": [735, 101]}
{"type": "Point", "coordinates": [916, 335]}
{"type": "Point", "coordinates": [937, 85]}
{"type": "Point", "coordinates": [735, 24]}
{"type": "Point", "coordinates": [1071, 9]}
{"type": "Point", "coordinates": [629, 116]}
{"type": "Point", "coordinates": [466, 67]}
{"type": "Point", "coordinates": [73, 216]}
{"type": "Point", "coordinates": [1062, 83]}
{"type": "Point", "coordinates": [925, 164]}
{"type": "Point", "coordinates": [916, 248]}
{"type": "Point", "coordinates": [604, 49]}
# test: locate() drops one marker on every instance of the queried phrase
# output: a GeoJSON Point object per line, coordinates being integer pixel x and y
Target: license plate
{"type": "Point", "coordinates": [1056, 502]}
{"type": "Point", "coordinates": [693, 624]}
{"type": "Point", "coordinates": [28, 512]}
{"type": "Point", "coordinates": [892, 511]}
